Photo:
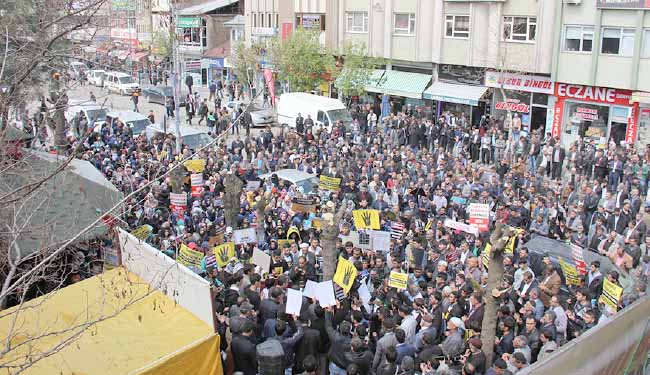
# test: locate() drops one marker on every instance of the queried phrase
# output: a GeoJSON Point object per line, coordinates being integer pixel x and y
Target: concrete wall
{"type": "Point", "coordinates": [163, 273]}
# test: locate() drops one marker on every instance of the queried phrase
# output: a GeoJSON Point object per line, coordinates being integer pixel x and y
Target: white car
{"type": "Point", "coordinates": [91, 111]}
{"type": "Point", "coordinates": [134, 120]}
{"type": "Point", "coordinates": [121, 83]}
{"type": "Point", "coordinates": [191, 136]}
{"type": "Point", "coordinates": [96, 77]}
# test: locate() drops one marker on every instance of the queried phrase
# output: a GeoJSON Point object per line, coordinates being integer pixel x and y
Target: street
{"type": "Point", "coordinates": [124, 103]}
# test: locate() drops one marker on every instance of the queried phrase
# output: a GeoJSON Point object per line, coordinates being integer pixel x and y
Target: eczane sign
{"type": "Point", "coordinates": [593, 94]}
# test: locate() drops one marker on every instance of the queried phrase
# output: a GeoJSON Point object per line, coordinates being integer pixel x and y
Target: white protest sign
{"type": "Point", "coordinates": [365, 296]}
{"type": "Point", "coordinates": [461, 227]}
{"type": "Point", "coordinates": [294, 302]}
{"type": "Point", "coordinates": [242, 236]}
{"type": "Point", "coordinates": [380, 241]}
{"type": "Point", "coordinates": [479, 216]}
{"type": "Point", "coordinates": [325, 294]}
{"type": "Point", "coordinates": [310, 289]}
{"type": "Point", "coordinates": [261, 259]}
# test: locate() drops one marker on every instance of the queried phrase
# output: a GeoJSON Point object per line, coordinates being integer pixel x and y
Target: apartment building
{"type": "Point", "coordinates": [447, 53]}
{"type": "Point", "coordinates": [266, 19]}
{"type": "Point", "coordinates": [601, 64]}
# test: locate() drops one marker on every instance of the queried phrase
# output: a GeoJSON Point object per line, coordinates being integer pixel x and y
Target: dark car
{"type": "Point", "coordinates": [159, 94]}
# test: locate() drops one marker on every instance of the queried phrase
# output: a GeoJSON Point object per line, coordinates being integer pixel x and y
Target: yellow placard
{"type": "Point", "coordinates": [486, 254]}
{"type": "Point", "coordinates": [142, 232]}
{"type": "Point", "coordinates": [195, 165]}
{"type": "Point", "coordinates": [329, 183]}
{"type": "Point", "coordinates": [611, 294]}
{"type": "Point", "coordinates": [189, 257]}
{"type": "Point", "coordinates": [345, 274]}
{"type": "Point", "coordinates": [281, 243]}
{"type": "Point", "coordinates": [366, 219]}
{"type": "Point", "coordinates": [398, 280]}
{"type": "Point", "coordinates": [570, 273]}
{"type": "Point", "coordinates": [317, 223]}
{"type": "Point", "coordinates": [224, 252]}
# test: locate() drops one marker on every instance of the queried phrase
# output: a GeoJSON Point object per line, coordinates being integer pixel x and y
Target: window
{"type": "Point", "coordinates": [254, 16]}
{"type": "Point", "coordinates": [277, 20]}
{"type": "Point", "coordinates": [357, 22]}
{"type": "Point", "coordinates": [578, 38]}
{"type": "Point", "coordinates": [262, 19]}
{"type": "Point", "coordinates": [404, 24]}
{"type": "Point", "coordinates": [270, 20]}
{"type": "Point", "coordinates": [519, 29]}
{"type": "Point", "coordinates": [617, 41]}
{"type": "Point", "coordinates": [457, 26]}
{"type": "Point", "coordinates": [645, 50]}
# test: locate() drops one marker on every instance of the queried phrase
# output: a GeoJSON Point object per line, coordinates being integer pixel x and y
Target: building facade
{"type": "Point", "coordinates": [454, 45]}
{"type": "Point", "coordinates": [602, 52]}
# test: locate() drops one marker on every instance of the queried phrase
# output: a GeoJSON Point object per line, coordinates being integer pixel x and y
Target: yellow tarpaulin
{"type": "Point", "coordinates": [132, 327]}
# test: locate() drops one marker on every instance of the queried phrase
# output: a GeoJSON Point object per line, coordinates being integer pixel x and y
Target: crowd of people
{"type": "Point", "coordinates": [417, 171]}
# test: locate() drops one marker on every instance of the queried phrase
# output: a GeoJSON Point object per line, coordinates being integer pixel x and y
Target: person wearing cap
{"type": "Point", "coordinates": [454, 344]}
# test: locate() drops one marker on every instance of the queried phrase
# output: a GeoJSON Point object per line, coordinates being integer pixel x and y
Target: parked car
{"type": "Point", "coordinates": [76, 68]}
{"type": "Point", "coordinates": [159, 94]}
{"type": "Point", "coordinates": [121, 83]}
{"type": "Point", "coordinates": [324, 111]}
{"type": "Point", "coordinates": [307, 182]}
{"type": "Point", "coordinates": [192, 137]}
{"type": "Point", "coordinates": [134, 120]}
{"type": "Point", "coordinates": [260, 116]}
{"type": "Point", "coordinates": [92, 111]}
{"type": "Point", "coordinates": [96, 77]}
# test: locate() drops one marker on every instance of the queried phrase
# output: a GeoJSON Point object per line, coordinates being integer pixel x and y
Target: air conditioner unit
{"type": "Point", "coordinates": [573, 2]}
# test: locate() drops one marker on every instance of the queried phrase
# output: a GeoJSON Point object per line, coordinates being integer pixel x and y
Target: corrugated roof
{"type": "Point", "coordinates": [62, 206]}
{"type": "Point", "coordinates": [205, 7]}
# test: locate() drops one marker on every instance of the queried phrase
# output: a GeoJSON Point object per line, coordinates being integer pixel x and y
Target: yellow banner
{"type": "Point", "coordinates": [329, 183]}
{"type": "Point", "coordinates": [485, 255]}
{"type": "Point", "coordinates": [317, 223]}
{"type": "Point", "coordinates": [345, 274]}
{"type": "Point", "coordinates": [189, 257]}
{"type": "Point", "coordinates": [611, 294]}
{"type": "Point", "coordinates": [224, 252]}
{"type": "Point", "coordinates": [142, 232]}
{"type": "Point", "coordinates": [570, 273]}
{"type": "Point", "coordinates": [366, 219]}
{"type": "Point", "coordinates": [195, 165]}
{"type": "Point", "coordinates": [281, 243]}
{"type": "Point", "coordinates": [398, 280]}
{"type": "Point", "coordinates": [510, 246]}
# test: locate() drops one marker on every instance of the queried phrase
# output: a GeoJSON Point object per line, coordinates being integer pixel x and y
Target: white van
{"type": "Point", "coordinates": [90, 110]}
{"type": "Point", "coordinates": [192, 137]}
{"type": "Point", "coordinates": [120, 82]}
{"type": "Point", "coordinates": [96, 77]}
{"type": "Point", "coordinates": [134, 120]}
{"type": "Point", "coordinates": [323, 111]}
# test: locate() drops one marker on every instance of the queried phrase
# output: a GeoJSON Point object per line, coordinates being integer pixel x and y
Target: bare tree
{"type": "Point", "coordinates": [331, 222]}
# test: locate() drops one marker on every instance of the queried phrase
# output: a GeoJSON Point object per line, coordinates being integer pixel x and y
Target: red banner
{"type": "Point", "coordinates": [632, 124]}
{"type": "Point", "coordinates": [287, 29]}
{"type": "Point", "coordinates": [178, 202]}
{"type": "Point", "coordinates": [593, 94]}
{"type": "Point", "coordinates": [557, 118]}
{"type": "Point", "coordinates": [268, 78]}
{"type": "Point", "coordinates": [197, 184]}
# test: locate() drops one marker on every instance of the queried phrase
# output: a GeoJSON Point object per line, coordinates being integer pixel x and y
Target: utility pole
{"type": "Point", "coordinates": [176, 76]}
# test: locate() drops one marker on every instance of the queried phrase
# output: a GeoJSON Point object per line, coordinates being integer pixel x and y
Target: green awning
{"type": "Point", "coordinates": [405, 84]}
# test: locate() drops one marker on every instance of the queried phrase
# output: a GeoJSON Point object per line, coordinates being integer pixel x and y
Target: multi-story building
{"type": "Point", "coordinates": [602, 50]}
{"type": "Point", "coordinates": [266, 19]}
{"type": "Point", "coordinates": [205, 38]}
{"type": "Point", "coordinates": [440, 52]}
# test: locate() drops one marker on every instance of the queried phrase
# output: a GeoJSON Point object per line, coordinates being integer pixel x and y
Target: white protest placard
{"type": "Point", "coordinates": [294, 302]}
{"type": "Point", "coordinates": [380, 241]}
{"type": "Point", "coordinates": [479, 216]}
{"type": "Point", "coordinates": [261, 259]}
{"type": "Point", "coordinates": [365, 295]}
{"type": "Point", "coordinates": [353, 237]}
{"type": "Point", "coordinates": [242, 236]}
{"type": "Point", "coordinates": [253, 185]}
{"type": "Point", "coordinates": [310, 289]}
{"type": "Point", "coordinates": [461, 227]}
{"type": "Point", "coordinates": [325, 294]}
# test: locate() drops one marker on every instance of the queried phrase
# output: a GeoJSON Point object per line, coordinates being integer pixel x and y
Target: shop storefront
{"type": "Point", "coordinates": [459, 90]}
{"type": "Point", "coordinates": [593, 113]}
{"type": "Point", "coordinates": [639, 130]}
{"type": "Point", "coordinates": [526, 96]}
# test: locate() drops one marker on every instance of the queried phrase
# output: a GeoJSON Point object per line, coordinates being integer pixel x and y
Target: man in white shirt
{"type": "Point", "coordinates": [560, 320]}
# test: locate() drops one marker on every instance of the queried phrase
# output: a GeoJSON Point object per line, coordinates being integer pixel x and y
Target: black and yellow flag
{"type": "Point", "coordinates": [223, 253]}
{"type": "Point", "coordinates": [366, 219]}
{"type": "Point", "coordinates": [345, 274]}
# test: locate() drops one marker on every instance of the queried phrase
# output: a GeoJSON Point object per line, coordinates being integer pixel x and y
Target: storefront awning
{"type": "Point", "coordinates": [405, 84]}
{"type": "Point", "coordinates": [205, 7]}
{"type": "Point", "coordinates": [455, 93]}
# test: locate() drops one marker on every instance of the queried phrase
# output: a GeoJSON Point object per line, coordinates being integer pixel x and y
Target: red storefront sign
{"type": "Point", "coordinates": [287, 29]}
{"type": "Point", "coordinates": [513, 106]}
{"type": "Point", "coordinates": [591, 94]}
{"type": "Point", "coordinates": [632, 124]}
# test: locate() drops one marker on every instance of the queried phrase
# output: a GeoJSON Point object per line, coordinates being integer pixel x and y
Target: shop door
{"type": "Point", "coordinates": [538, 119]}
{"type": "Point", "coordinates": [617, 132]}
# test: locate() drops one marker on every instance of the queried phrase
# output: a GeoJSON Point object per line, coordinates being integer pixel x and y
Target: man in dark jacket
{"type": "Point", "coordinates": [288, 334]}
{"type": "Point", "coordinates": [243, 351]}
{"type": "Point", "coordinates": [269, 306]}
{"type": "Point", "coordinates": [308, 345]}
{"type": "Point", "coordinates": [339, 344]}
{"type": "Point", "coordinates": [359, 355]}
